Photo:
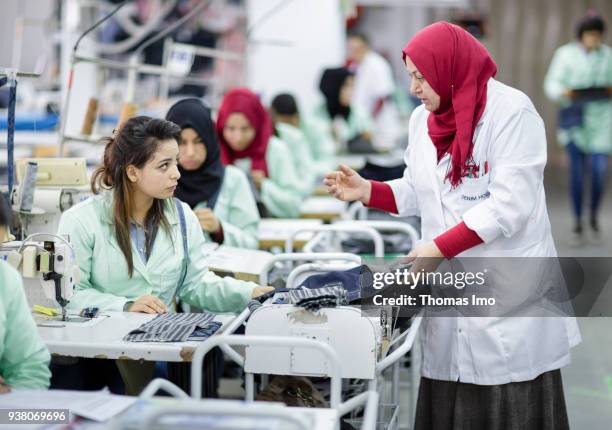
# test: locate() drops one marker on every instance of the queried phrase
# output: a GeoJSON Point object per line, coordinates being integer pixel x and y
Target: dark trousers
{"type": "Point", "coordinates": [86, 374]}
{"type": "Point", "coordinates": [580, 164]}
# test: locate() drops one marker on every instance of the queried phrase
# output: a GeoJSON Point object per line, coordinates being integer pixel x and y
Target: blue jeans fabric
{"type": "Point", "coordinates": [580, 163]}
{"type": "Point", "coordinates": [353, 280]}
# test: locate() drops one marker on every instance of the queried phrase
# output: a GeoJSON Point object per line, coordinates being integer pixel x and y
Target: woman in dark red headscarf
{"type": "Point", "coordinates": [244, 130]}
{"type": "Point", "coordinates": [474, 174]}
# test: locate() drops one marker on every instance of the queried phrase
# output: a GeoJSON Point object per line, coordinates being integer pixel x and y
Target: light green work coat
{"type": "Point", "coordinates": [572, 67]}
{"type": "Point", "coordinates": [281, 192]}
{"type": "Point", "coordinates": [322, 146]}
{"type": "Point", "coordinates": [24, 359]}
{"type": "Point", "coordinates": [236, 210]}
{"type": "Point", "coordinates": [105, 282]}
{"type": "Point", "coordinates": [302, 157]}
{"type": "Point", "coordinates": [358, 122]}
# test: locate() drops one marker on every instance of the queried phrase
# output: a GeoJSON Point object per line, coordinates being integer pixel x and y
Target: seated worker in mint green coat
{"type": "Point", "coordinates": [345, 122]}
{"type": "Point", "coordinates": [305, 135]}
{"type": "Point", "coordinates": [128, 238]}
{"type": "Point", "coordinates": [299, 148]}
{"type": "Point", "coordinates": [24, 358]}
{"type": "Point", "coordinates": [220, 196]}
{"type": "Point", "coordinates": [244, 130]}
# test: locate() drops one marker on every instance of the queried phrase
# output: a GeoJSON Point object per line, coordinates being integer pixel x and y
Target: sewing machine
{"type": "Point", "coordinates": [60, 184]}
{"type": "Point", "coordinates": [49, 264]}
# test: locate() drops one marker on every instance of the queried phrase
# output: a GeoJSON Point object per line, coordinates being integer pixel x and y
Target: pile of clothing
{"type": "Point", "coordinates": [325, 290]}
{"type": "Point", "coordinates": [328, 296]}
{"type": "Point", "coordinates": [175, 328]}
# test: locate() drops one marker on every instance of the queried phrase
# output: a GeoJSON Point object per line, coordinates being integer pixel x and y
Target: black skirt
{"type": "Point", "coordinates": [531, 405]}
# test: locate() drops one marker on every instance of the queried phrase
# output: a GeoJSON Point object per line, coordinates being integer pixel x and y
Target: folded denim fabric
{"type": "Point", "coordinates": [169, 328]}
{"type": "Point", "coordinates": [202, 333]}
{"type": "Point", "coordinates": [330, 295]}
{"type": "Point", "coordinates": [353, 281]}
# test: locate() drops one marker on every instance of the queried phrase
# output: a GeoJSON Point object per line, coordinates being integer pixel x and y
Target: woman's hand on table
{"type": "Point", "coordinates": [149, 305]}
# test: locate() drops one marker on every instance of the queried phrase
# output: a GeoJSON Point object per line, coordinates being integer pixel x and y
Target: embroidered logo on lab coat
{"type": "Point", "coordinates": [475, 170]}
{"type": "Point", "coordinates": [482, 196]}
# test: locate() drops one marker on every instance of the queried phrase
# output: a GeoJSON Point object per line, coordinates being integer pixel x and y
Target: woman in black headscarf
{"type": "Point", "coordinates": [220, 195]}
{"type": "Point", "coordinates": [350, 125]}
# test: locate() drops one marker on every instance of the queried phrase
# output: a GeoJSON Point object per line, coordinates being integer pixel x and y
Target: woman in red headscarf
{"type": "Point", "coordinates": [244, 129]}
{"type": "Point", "coordinates": [474, 174]}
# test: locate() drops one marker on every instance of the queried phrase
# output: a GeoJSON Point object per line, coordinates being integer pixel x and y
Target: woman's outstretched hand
{"type": "Point", "coordinates": [346, 184]}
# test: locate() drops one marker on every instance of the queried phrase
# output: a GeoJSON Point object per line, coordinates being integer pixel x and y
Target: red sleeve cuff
{"type": "Point", "coordinates": [382, 197]}
{"type": "Point", "coordinates": [378, 106]}
{"type": "Point", "coordinates": [456, 240]}
{"type": "Point", "coordinates": [219, 236]}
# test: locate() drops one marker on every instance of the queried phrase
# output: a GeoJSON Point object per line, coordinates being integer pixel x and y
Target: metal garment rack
{"type": "Point", "coordinates": [199, 51]}
{"type": "Point", "coordinates": [149, 69]}
{"type": "Point", "coordinates": [134, 68]}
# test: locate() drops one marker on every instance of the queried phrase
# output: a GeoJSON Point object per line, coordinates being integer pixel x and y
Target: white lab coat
{"type": "Point", "coordinates": [373, 81]}
{"type": "Point", "coordinates": [506, 207]}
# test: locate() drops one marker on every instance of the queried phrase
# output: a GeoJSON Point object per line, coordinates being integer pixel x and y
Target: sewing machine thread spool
{"type": "Point", "coordinates": [27, 187]}
{"type": "Point", "coordinates": [127, 111]}
{"type": "Point", "coordinates": [90, 116]}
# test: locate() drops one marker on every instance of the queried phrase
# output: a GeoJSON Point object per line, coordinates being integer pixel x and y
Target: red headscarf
{"type": "Point", "coordinates": [244, 101]}
{"type": "Point", "coordinates": [457, 67]}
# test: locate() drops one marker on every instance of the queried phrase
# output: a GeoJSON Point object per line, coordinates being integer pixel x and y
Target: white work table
{"type": "Point", "coordinates": [239, 263]}
{"type": "Point", "coordinates": [354, 161]}
{"type": "Point", "coordinates": [325, 208]}
{"type": "Point", "coordinates": [102, 337]}
{"type": "Point", "coordinates": [274, 232]}
{"type": "Point", "coordinates": [385, 158]}
{"type": "Point", "coordinates": [123, 412]}
{"type": "Point", "coordinates": [318, 418]}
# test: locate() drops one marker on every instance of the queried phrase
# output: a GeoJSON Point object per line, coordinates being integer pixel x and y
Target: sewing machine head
{"type": "Point", "coordinates": [50, 186]}
{"type": "Point", "coordinates": [49, 264]}
{"type": "Point", "coordinates": [55, 172]}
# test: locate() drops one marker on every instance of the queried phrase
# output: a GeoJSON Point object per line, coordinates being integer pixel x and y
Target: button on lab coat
{"type": "Point", "coordinates": [105, 282]}
{"type": "Point", "coordinates": [505, 205]}
{"type": "Point", "coordinates": [24, 358]}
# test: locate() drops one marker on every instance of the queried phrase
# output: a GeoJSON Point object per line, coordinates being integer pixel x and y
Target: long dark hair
{"type": "Point", "coordinates": [135, 143]}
